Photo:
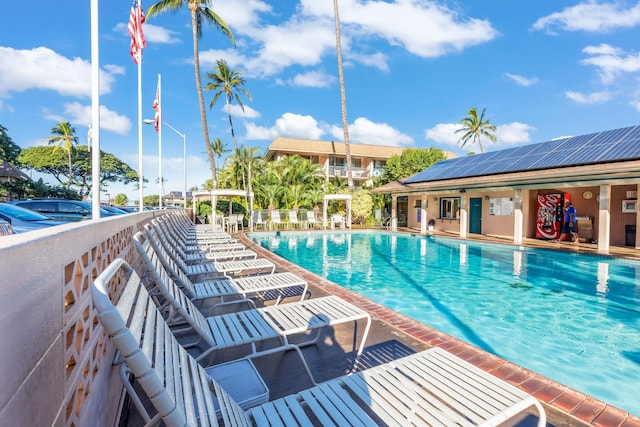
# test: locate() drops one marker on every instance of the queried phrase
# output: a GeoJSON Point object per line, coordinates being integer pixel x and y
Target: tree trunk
{"type": "Point", "coordinates": [343, 98]}
{"type": "Point", "coordinates": [203, 112]}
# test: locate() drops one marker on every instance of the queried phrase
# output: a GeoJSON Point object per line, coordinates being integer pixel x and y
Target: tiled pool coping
{"type": "Point", "coordinates": [567, 400]}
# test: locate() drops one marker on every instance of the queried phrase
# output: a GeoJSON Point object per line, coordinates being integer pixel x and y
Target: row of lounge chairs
{"type": "Point", "coordinates": [176, 350]}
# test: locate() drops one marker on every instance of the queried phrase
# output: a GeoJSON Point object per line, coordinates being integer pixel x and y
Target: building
{"type": "Point", "coordinates": [498, 193]}
{"type": "Point", "coordinates": [367, 160]}
{"type": "Point", "coordinates": [175, 198]}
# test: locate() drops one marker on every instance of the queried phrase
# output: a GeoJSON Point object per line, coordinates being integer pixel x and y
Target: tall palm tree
{"type": "Point", "coordinates": [218, 149]}
{"type": "Point", "coordinates": [343, 97]}
{"type": "Point", "coordinates": [475, 127]}
{"type": "Point", "coordinates": [201, 11]}
{"type": "Point", "coordinates": [63, 135]}
{"type": "Point", "coordinates": [229, 83]}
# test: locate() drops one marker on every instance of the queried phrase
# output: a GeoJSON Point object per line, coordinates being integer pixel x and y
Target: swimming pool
{"type": "Point", "coordinates": [574, 318]}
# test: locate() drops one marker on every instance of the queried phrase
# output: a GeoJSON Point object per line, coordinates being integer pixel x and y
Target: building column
{"type": "Point", "coordinates": [423, 214]}
{"type": "Point", "coordinates": [464, 216]}
{"type": "Point", "coordinates": [394, 213]}
{"type": "Point", "coordinates": [604, 219]}
{"type": "Point", "coordinates": [637, 221]}
{"type": "Point", "coordinates": [518, 218]}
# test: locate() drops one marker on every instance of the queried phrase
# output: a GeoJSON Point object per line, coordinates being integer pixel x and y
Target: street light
{"type": "Point", "coordinates": [184, 154]}
{"type": "Point", "coordinates": [149, 122]}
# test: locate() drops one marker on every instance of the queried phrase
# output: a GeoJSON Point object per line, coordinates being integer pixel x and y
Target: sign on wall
{"type": "Point", "coordinates": [501, 206]}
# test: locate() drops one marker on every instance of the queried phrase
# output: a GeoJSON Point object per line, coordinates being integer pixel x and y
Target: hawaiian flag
{"type": "Point", "coordinates": [136, 18]}
{"type": "Point", "coordinates": [156, 106]}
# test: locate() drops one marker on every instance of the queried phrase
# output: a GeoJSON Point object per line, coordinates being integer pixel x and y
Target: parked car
{"type": "Point", "coordinates": [63, 209]}
{"type": "Point", "coordinates": [23, 220]}
{"type": "Point", "coordinates": [115, 209]}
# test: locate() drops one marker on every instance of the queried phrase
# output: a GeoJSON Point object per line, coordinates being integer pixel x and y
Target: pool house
{"type": "Point", "coordinates": [514, 193]}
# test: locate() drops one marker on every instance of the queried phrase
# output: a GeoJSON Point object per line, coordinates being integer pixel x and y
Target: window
{"type": "Point", "coordinates": [449, 207]}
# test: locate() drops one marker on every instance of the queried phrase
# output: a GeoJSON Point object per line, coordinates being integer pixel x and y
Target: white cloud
{"type": "Point", "coordinates": [521, 80]}
{"type": "Point", "coordinates": [317, 79]}
{"type": "Point", "coordinates": [289, 125]}
{"type": "Point", "coordinates": [611, 61]}
{"type": "Point", "coordinates": [42, 68]}
{"type": "Point", "coordinates": [591, 98]}
{"type": "Point", "coordinates": [80, 117]}
{"type": "Point", "coordinates": [309, 34]}
{"type": "Point", "coordinates": [443, 133]}
{"type": "Point", "coordinates": [591, 16]}
{"type": "Point", "coordinates": [236, 111]}
{"type": "Point", "coordinates": [364, 131]}
{"type": "Point", "coordinates": [513, 133]}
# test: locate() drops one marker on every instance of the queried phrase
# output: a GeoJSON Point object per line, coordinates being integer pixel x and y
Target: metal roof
{"type": "Point", "coordinates": [603, 147]}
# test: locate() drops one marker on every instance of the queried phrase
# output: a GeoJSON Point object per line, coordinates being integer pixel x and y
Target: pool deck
{"type": "Point", "coordinates": [564, 406]}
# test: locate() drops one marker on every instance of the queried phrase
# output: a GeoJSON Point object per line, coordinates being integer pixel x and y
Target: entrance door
{"type": "Point", "coordinates": [475, 215]}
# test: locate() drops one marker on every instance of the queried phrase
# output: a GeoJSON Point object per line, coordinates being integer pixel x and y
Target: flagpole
{"type": "Point", "coordinates": [95, 112]}
{"type": "Point", "coordinates": [140, 175]}
{"type": "Point", "coordinates": [160, 141]}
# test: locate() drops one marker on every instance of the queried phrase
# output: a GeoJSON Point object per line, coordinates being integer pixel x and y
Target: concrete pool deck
{"type": "Point", "coordinates": [565, 406]}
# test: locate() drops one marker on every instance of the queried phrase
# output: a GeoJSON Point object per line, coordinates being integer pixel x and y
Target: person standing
{"type": "Point", "coordinates": [569, 224]}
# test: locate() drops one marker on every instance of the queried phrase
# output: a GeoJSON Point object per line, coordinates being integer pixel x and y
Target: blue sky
{"type": "Point", "coordinates": [413, 68]}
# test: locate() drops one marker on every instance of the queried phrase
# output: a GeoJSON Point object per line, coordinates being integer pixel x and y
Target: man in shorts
{"type": "Point", "coordinates": [569, 225]}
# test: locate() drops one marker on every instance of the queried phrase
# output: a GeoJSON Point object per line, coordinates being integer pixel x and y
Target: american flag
{"type": "Point", "coordinates": [136, 18]}
{"type": "Point", "coordinates": [156, 106]}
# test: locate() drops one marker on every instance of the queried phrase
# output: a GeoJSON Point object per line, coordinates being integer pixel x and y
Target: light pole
{"type": "Point", "coordinates": [184, 156]}
{"type": "Point", "coordinates": [150, 122]}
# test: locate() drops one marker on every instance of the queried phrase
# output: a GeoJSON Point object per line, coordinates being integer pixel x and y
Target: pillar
{"type": "Point", "coordinates": [604, 219]}
{"type": "Point", "coordinates": [518, 218]}
{"type": "Point", "coordinates": [464, 215]}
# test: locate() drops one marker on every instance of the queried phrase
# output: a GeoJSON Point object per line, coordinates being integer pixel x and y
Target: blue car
{"type": "Point", "coordinates": [63, 209]}
{"type": "Point", "coordinates": [23, 220]}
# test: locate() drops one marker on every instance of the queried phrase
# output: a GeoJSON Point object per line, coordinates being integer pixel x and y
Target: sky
{"type": "Point", "coordinates": [413, 68]}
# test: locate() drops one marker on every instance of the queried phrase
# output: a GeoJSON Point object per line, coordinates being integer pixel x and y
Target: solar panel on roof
{"type": "Point", "coordinates": [614, 145]}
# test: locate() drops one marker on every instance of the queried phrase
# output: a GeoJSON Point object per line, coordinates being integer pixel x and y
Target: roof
{"type": "Point", "coordinates": [309, 146]}
{"type": "Point", "coordinates": [597, 148]}
{"type": "Point", "coordinates": [8, 170]}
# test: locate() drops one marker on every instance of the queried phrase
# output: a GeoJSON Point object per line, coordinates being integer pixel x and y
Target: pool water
{"type": "Point", "coordinates": [574, 318]}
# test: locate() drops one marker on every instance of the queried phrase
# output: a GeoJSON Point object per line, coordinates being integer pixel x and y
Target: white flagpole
{"type": "Point", "coordinates": [95, 112]}
{"type": "Point", "coordinates": [159, 94]}
{"type": "Point", "coordinates": [140, 175]}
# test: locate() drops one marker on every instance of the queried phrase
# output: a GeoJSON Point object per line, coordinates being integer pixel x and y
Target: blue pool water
{"type": "Point", "coordinates": [571, 317]}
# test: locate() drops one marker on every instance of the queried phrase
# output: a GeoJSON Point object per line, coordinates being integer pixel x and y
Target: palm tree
{"type": "Point", "coordinates": [474, 127]}
{"type": "Point", "coordinates": [64, 136]}
{"type": "Point", "coordinates": [200, 12]}
{"type": "Point", "coordinates": [229, 83]}
{"type": "Point", "coordinates": [218, 149]}
{"type": "Point", "coordinates": [343, 97]}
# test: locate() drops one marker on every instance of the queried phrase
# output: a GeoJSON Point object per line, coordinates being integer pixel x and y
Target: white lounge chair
{"type": "Point", "coordinates": [275, 221]}
{"type": "Point", "coordinates": [267, 325]}
{"type": "Point", "coordinates": [209, 269]}
{"type": "Point", "coordinates": [258, 220]}
{"type": "Point", "coordinates": [432, 387]}
{"type": "Point", "coordinates": [276, 286]}
{"type": "Point", "coordinates": [312, 221]}
{"type": "Point", "coordinates": [294, 221]}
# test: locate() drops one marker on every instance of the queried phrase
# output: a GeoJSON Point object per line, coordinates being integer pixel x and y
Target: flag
{"type": "Point", "coordinates": [136, 18]}
{"type": "Point", "coordinates": [156, 106]}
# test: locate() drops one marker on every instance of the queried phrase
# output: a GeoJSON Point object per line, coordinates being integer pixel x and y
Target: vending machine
{"type": "Point", "coordinates": [550, 213]}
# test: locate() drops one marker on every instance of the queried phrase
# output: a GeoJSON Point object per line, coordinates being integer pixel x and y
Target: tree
{"type": "Point", "coordinates": [229, 83]}
{"type": "Point", "coordinates": [218, 149]}
{"type": "Point", "coordinates": [200, 12]}
{"type": "Point", "coordinates": [343, 97]}
{"type": "Point", "coordinates": [475, 127]}
{"type": "Point", "coordinates": [64, 135]}
{"type": "Point", "coordinates": [47, 160]}
{"type": "Point", "coordinates": [9, 150]}
{"type": "Point", "coordinates": [361, 206]}
{"type": "Point", "coordinates": [410, 162]}
{"type": "Point", "coordinates": [121, 199]}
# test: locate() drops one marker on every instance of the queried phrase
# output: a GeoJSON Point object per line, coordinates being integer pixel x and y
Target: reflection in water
{"type": "Point", "coordinates": [517, 264]}
{"type": "Point", "coordinates": [463, 254]}
{"type": "Point", "coordinates": [602, 286]}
